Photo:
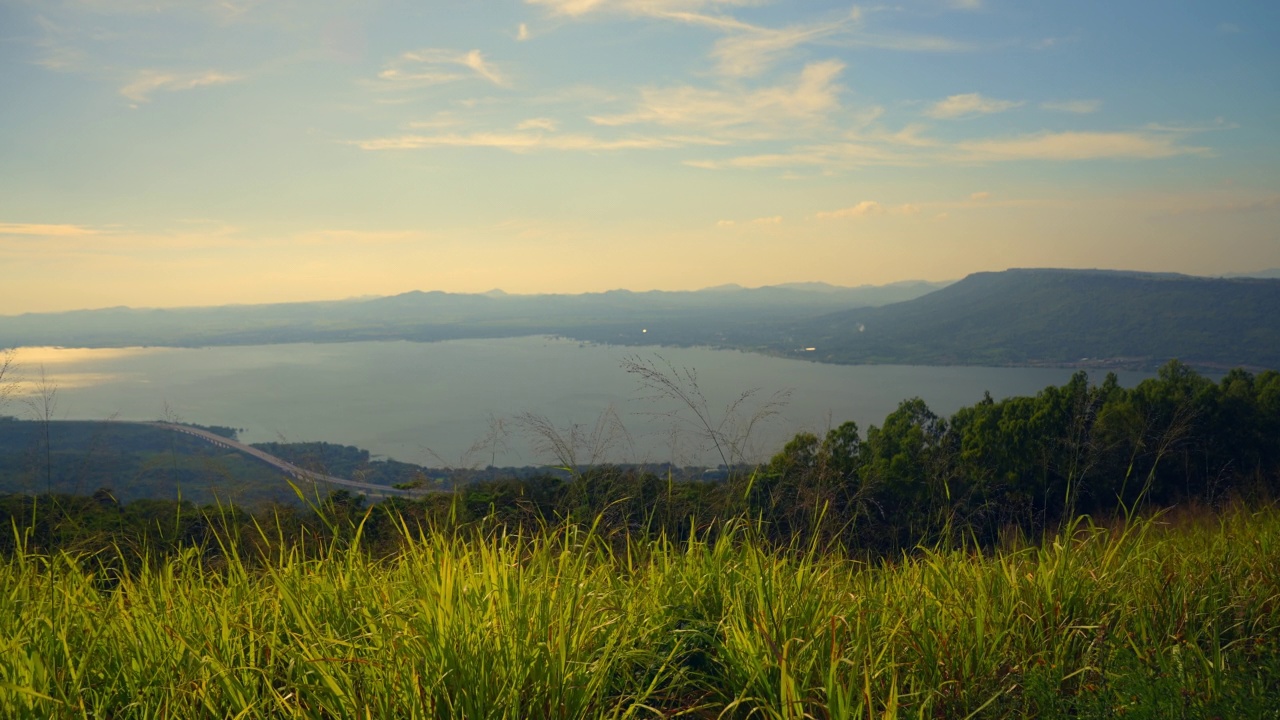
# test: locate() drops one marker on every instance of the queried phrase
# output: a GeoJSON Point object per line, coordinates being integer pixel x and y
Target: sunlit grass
{"type": "Point", "coordinates": [1152, 621]}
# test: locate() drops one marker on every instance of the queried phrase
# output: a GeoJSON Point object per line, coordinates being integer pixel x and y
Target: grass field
{"type": "Point", "coordinates": [1162, 619]}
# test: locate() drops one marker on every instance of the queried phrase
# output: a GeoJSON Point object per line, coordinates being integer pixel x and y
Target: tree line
{"type": "Point", "coordinates": [1021, 465]}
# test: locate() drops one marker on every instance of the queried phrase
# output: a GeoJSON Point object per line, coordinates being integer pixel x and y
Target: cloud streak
{"type": "Point", "coordinates": [147, 82]}
{"type": "Point", "coordinates": [1062, 146]}
{"type": "Point", "coordinates": [907, 149]}
{"type": "Point", "coordinates": [35, 229]}
{"type": "Point", "coordinates": [577, 8]}
{"type": "Point", "coordinates": [969, 105]}
{"type": "Point", "coordinates": [523, 142]}
{"type": "Point", "coordinates": [435, 66]}
{"type": "Point", "coordinates": [749, 50]}
{"type": "Point", "coordinates": [814, 94]}
{"type": "Point", "coordinates": [867, 208]}
{"type": "Point", "coordinates": [538, 124]}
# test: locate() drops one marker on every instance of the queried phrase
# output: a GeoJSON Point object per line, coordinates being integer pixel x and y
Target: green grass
{"type": "Point", "coordinates": [1158, 620]}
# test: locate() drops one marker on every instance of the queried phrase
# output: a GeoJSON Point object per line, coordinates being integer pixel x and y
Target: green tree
{"type": "Point", "coordinates": [906, 471]}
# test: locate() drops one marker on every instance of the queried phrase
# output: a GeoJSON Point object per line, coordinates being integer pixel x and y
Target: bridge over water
{"type": "Point", "coordinates": [369, 489]}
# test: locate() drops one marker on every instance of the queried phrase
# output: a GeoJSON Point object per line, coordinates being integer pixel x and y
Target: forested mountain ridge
{"type": "Point", "coordinates": [1059, 317]}
{"type": "Point", "coordinates": [680, 318]}
{"type": "Point", "coordinates": [1093, 318]}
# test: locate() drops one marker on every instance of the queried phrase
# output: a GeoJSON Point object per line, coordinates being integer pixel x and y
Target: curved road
{"type": "Point", "coordinates": [369, 489]}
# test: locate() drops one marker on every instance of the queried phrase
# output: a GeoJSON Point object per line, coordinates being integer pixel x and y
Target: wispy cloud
{"type": "Point", "coordinates": [576, 8]}
{"type": "Point", "coordinates": [967, 105]}
{"type": "Point", "coordinates": [184, 237]}
{"type": "Point", "coordinates": [147, 82]}
{"type": "Point", "coordinates": [82, 241]}
{"type": "Point", "coordinates": [569, 7]}
{"type": "Point", "coordinates": [814, 94]}
{"type": "Point", "coordinates": [140, 7]}
{"type": "Point", "coordinates": [935, 209]}
{"type": "Point", "coordinates": [903, 148]}
{"type": "Point", "coordinates": [869, 207]}
{"type": "Point", "coordinates": [907, 149]}
{"type": "Point", "coordinates": [1079, 146]}
{"type": "Point", "coordinates": [1179, 128]}
{"type": "Point", "coordinates": [748, 49]}
{"type": "Point", "coordinates": [522, 142]}
{"type": "Point", "coordinates": [751, 49]}
{"type": "Point", "coordinates": [434, 66]}
{"type": "Point", "coordinates": [862, 209]}
{"type": "Point", "coordinates": [1079, 107]}
{"type": "Point", "coordinates": [767, 221]}
{"type": "Point", "coordinates": [35, 229]}
{"type": "Point", "coordinates": [538, 124]}
{"type": "Point", "coordinates": [849, 154]}
{"type": "Point", "coordinates": [58, 51]}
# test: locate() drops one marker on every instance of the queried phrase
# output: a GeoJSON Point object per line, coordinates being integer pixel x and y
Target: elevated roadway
{"type": "Point", "coordinates": [288, 468]}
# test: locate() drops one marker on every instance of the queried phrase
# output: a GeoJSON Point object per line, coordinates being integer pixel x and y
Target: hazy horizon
{"type": "Point", "coordinates": [501, 292]}
{"type": "Point", "coordinates": [1266, 273]}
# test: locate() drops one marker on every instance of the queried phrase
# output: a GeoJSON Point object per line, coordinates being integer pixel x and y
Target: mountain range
{"type": "Point", "coordinates": [683, 317]}
{"type": "Point", "coordinates": [1095, 318]}
{"type": "Point", "coordinates": [1058, 317]}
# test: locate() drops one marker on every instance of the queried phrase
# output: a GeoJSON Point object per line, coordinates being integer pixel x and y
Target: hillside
{"type": "Point", "coordinates": [1058, 317]}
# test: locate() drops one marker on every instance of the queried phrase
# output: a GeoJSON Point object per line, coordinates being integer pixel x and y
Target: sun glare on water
{"type": "Point", "coordinates": [38, 368]}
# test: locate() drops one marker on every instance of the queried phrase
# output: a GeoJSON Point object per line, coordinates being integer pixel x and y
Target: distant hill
{"type": "Point", "coordinates": [695, 317]}
{"type": "Point", "coordinates": [1271, 273]}
{"type": "Point", "coordinates": [1059, 317]}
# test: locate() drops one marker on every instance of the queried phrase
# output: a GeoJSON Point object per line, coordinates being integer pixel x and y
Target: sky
{"type": "Point", "coordinates": [171, 152]}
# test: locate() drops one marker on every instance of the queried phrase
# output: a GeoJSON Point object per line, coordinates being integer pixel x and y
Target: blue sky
{"type": "Point", "coordinates": [164, 152]}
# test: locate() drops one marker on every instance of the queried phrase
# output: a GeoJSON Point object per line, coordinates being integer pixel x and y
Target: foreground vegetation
{"type": "Point", "coordinates": [933, 568]}
{"type": "Point", "coordinates": [1153, 619]}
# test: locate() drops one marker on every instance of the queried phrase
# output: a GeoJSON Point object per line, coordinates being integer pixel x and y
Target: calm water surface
{"type": "Point", "coordinates": [430, 402]}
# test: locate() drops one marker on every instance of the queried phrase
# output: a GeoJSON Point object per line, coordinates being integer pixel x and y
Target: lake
{"type": "Point", "coordinates": [458, 403]}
